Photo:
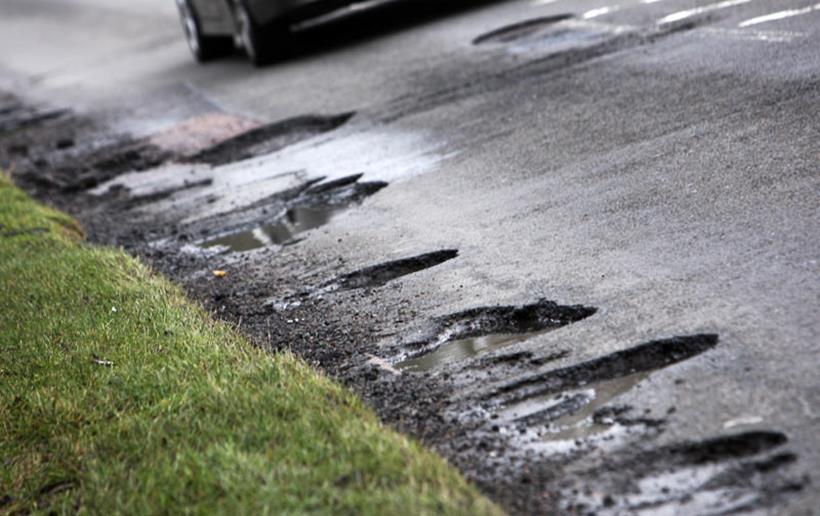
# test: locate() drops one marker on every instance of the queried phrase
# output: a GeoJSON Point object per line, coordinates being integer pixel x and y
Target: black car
{"type": "Point", "coordinates": [214, 27]}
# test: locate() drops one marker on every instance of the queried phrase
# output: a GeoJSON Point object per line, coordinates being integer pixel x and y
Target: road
{"type": "Point", "coordinates": [658, 161]}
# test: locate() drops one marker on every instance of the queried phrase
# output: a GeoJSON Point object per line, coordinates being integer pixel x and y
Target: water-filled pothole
{"type": "Point", "coordinates": [478, 331]}
{"type": "Point", "coordinates": [284, 232]}
{"type": "Point", "coordinates": [307, 206]}
{"type": "Point", "coordinates": [564, 401]}
{"type": "Point", "coordinates": [569, 415]}
{"type": "Point", "coordinates": [462, 349]}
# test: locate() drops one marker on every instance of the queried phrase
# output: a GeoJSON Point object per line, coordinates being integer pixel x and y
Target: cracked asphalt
{"type": "Point", "coordinates": [596, 221]}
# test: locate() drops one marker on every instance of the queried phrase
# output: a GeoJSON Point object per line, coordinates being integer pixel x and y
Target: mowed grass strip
{"type": "Point", "coordinates": [118, 395]}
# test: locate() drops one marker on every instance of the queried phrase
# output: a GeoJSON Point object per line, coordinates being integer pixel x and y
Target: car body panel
{"type": "Point", "coordinates": [216, 16]}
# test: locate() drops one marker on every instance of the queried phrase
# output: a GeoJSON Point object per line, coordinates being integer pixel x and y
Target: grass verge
{"type": "Point", "coordinates": [117, 395]}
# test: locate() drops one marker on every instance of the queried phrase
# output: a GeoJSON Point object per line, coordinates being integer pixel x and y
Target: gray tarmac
{"type": "Point", "coordinates": [657, 162]}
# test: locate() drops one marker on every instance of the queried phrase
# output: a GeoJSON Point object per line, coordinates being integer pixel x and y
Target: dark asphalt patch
{"type": "Point", "coordinates": [505, 324]}
{"type": "Point", "coordinates": [269, 138]}
{"type": "Point", "coordinates": [519, 30]}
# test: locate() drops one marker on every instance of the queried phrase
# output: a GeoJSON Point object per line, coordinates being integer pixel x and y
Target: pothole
{"type": "Point", "coordinates": [570, 415]}
{"type": "Point", "coordinates": [306, 208]}
{"type": "Point", "coordinates": [284, 232]}
{"type": "Point", "coordinates": [563, 38]}
{"type": "Point", "coordinates": [269, 138]}
{"type": "Point", "coordinates": [645, 357]}
{"type": "Point", "coordinates": [371, 277]}
{"type": "Point", "coordinates": [381, 274]}
{"type": "Point", "coordinates": [552, 35]}
{"type": "Point", "coordinates": [478, 331]}
{"type": "Point", "coordinates": [520, 30]}
{"type": "Point", "coordinates": [564, 402]}
{"type": "Point", "coordinates": [463, 349]}
{"type": "Point", "coordinates": [726, 474]}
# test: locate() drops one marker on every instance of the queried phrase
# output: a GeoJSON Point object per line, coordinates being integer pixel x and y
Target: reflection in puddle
{"type": "Point", "coordinates": [296, 220]}
{"type": "Point", "coordinates": [568, 415]}
{"type": "Point", "coordinates": [462, 349]}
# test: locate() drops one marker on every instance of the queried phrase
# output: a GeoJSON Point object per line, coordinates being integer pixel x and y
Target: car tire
{"type": "Point", "coordinates": [204, 48]}
{"type": "Point", "coordinates": [263, 45]}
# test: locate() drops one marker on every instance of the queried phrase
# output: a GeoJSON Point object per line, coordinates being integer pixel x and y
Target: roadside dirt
{"type": "Point", "coordinates": [536, 432]}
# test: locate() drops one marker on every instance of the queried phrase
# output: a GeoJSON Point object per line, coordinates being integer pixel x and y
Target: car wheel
{"type": "Point", "coordinates": [262, 44]}
{"type": "Point", "coordinates": [204, 48]}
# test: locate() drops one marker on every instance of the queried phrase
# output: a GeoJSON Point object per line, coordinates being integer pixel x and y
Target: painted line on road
{"type": "Point", "coordinates": [594, 13]}
{"type": "Point", "coordinates": [779, 16]}
{"type": "Point", "coordinates": [682, 15]}
{"type": "Point", "coordinates": [766, 36]}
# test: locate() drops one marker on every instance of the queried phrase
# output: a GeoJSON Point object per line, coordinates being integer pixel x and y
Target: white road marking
{"type": "Point", "coordinates": [766, 36]}
{"type": "Point", "coordinates": [779, 15]}
{"type": "Point", "coordinates": [543, 2]}
{"type": "Point", "coordinates": [594, 13]}
{"type": "Point", "coordinates": [682, 15]}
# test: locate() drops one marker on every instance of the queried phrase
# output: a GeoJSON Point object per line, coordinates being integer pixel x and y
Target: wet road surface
{"type": "Point", "coordinates": [630, 321]}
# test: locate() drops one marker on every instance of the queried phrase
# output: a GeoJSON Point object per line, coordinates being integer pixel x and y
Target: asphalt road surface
{"type": "Point", "coordinates": [651, 166]}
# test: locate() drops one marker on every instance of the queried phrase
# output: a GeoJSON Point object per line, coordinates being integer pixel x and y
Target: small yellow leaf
{"type": "Point", "coordinates": [219, 273]}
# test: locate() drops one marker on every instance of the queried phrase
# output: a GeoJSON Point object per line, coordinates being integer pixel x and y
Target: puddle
{"type": "Point", "coordinates": [565, 401]}
{"type": "Point", "coordinates": [569, 415]}
{"type": "Point", "coordinates": [308, 205]}
{"type": "Point", "coordinates": [647, 357]}
{"type": "Point", "coordinates": [462, 349]}
{"type": "Point", "coordinates": [478, 331]}
{"type": "Point", "coordinates": [296, 220]}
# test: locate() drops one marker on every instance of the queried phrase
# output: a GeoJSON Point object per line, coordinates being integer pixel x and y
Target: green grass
{"type": "Point", "coordinates": [187, 417]}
